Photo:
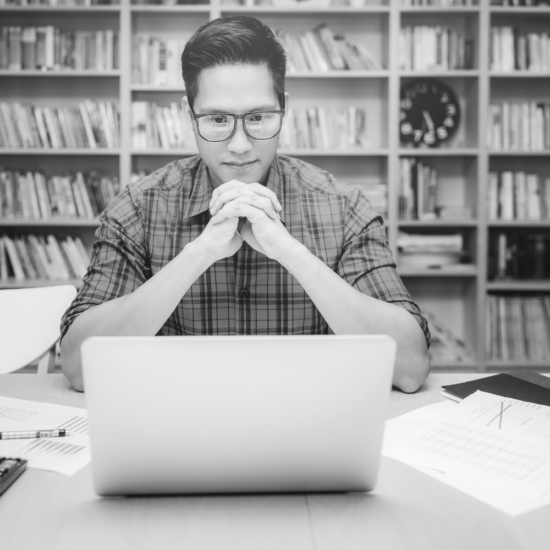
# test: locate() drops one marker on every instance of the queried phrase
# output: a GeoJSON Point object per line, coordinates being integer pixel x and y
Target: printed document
{"type": "Point", "coordinates": [65, 455]}
{"type": "Point", "coordinates": [498, 443]}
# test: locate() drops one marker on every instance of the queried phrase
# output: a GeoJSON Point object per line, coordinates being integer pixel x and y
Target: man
{"type": "Point", "coordinates": [239, 240]}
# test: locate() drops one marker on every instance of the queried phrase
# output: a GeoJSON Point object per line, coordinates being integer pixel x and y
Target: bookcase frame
{"type": "Point", "coordinates": [471, 286]}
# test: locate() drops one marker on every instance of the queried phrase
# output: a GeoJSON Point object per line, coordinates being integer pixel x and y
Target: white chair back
{"type": "Point", "coordinates": [29, 324]}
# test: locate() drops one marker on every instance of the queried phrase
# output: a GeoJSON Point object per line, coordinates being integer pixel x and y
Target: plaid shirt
{"type": "Point", "coordinates": [152, 220]}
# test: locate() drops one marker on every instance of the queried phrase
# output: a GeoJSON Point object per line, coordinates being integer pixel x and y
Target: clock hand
{"type": "Point", "coordinates": [429, 121]}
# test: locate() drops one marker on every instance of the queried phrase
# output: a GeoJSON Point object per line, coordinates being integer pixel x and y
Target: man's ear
{"type": "Point", "coordinates": [187, 110]}
{"type": "Point", "coordinates": [287, 106]}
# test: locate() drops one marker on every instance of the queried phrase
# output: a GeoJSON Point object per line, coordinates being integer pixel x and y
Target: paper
{"type": "Point", "coordinates": [65, 455]}
{"type": "Point", "coordinates": [486, 413]}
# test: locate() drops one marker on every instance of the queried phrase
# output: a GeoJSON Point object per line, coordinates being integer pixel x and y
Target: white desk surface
{"type": "Point", "coordinates": [408, 510]}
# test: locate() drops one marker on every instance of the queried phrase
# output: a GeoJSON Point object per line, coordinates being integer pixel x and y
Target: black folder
{"type": "Point", "coordinates": [523, 385]}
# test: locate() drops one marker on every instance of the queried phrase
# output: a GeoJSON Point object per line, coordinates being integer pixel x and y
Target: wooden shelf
{"type": "Point", "coordinates": [333, 153]}
{"type": "Point", "coordinates": [519, 223]}
{"type": "Point", "coordinates": [519, 286]}
{"type": "Point", "coordinates": [153, 88]}
{"type": "Point", "coordinates": [451, 271]}
{"type": "Point", "coordinates": [336, 10]}
{"type": "Point", "coordinates": [61, 152]}
{"type": "Point", "coordinates": [437, 152]}
{"type": "Point", "coordinates": [164, 152]}
{"type": "Point", "coordinates": [156, 8]}
{"type": "Point", "coordinates": [452, 365]}
{"type": "Point", "coordinates": [62, 9]}
{"type": "Point", "coordinates": [541, 366]}
{"type": "Point", "coordinates": [437, 223]}
{"type": "Point", "coordinates": [519, 74]}
{"type": "Point", "coordinates": [440, 10]}
{"type": "Point", "coordinates": [545, 153]}
{"type": "Point", "coordinates": [58, 222]}
{"type": "Point", "coordinates": [542, 10]}
{"type": "Point", "coordinates": [59, 74]}
{"type": "Point", "coordinates": [466, 73]}
{"type": "Point", "coordinates": [340, 74]}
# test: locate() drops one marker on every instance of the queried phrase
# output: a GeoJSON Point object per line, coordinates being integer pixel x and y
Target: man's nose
{"type": "Point", "coordinates": [240, 142]}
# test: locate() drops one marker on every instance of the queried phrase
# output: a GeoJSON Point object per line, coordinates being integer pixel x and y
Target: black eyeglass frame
{"type": "Point", "coordinates": [280, 112]}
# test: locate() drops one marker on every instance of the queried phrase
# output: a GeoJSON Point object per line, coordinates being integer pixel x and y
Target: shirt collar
{"type": "Point", "coordinates": [275, 184]}
{"type": "Point", "coordinates": [200, 194]}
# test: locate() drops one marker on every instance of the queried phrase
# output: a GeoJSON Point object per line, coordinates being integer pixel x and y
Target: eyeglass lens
{"type": "Point", "coordinates": [218, 127]}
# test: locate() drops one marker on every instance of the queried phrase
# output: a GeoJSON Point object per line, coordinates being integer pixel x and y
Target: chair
{"type": "Point", "coordinates": [29, 325]}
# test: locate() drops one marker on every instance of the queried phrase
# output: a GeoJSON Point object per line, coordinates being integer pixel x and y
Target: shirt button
{"type": "Point", "coordinates": [243, 292]}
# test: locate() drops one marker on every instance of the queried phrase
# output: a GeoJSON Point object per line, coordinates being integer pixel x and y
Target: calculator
{"type": "Point", "coordinates": [10, 470]}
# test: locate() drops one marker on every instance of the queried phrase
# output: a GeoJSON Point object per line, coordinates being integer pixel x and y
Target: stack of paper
{"type": "Point", "coordinates": [495, 448]}
{"type": "Point", "coordinates": [65, 455]}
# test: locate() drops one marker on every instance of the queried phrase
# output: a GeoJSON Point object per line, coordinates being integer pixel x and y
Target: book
{"type": "Point", "coordinates": [523, 385]}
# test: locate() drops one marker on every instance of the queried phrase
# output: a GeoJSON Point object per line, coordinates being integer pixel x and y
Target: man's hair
{"type": "Point", "coordinates": [233, 40]}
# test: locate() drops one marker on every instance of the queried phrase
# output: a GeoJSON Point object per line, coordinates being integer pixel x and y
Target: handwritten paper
{"type": "Point", "coordinates": [65, 455]}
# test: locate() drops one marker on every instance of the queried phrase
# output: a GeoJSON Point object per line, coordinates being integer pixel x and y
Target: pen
{"type": "Point", "coordinates": [33, 434]}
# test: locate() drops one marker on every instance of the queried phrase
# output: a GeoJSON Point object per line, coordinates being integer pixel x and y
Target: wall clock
{"type": "Point", "coordinates": [429, 112]}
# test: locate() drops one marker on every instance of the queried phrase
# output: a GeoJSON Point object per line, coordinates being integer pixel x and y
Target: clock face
{"type": "Point", "coordinates": [429, 112]}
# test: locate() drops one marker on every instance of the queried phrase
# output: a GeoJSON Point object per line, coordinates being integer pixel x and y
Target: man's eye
{"type": "Point", "coordinates": [257, 118]}
{"type": "Point", "coordinates": [218, 120]}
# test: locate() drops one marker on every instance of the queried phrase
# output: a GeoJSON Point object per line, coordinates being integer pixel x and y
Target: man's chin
{"type": "Point", "coordinates": [245, 174]}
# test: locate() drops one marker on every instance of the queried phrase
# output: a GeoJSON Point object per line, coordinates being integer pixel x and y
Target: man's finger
{"type": "Point", "coordinates": [248, 197]}
{"type": "Point", "coordinates": [236, 209]}
{"type": "Point", "coordinates": [268, 193]}
{"type": "Point", "coordinates": [224, 187]}
{"type": "Point", "coordinates": [233, 188]}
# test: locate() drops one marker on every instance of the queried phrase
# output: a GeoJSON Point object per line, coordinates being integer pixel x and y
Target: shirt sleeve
{"type": "Point", "coordinates": [119, 262]}
{"type": "Point", "coordinates": [367, 263]}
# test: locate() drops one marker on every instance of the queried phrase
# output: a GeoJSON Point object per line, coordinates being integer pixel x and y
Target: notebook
{"type": "Point", "coordinates": [523, 385]}
{"type": "Point", "coordinates": [236, 414]}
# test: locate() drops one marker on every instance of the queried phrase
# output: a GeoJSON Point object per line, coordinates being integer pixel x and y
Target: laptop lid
{"type": "Point", "coordinates": [236, 414]}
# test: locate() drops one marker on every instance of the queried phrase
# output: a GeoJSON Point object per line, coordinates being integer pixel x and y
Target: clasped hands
{"type": "Point", "coordinates": [245, 212]}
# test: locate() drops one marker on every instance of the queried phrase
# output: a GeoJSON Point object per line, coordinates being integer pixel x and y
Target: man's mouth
{"type": "Point", "coordinates": [239, 164]}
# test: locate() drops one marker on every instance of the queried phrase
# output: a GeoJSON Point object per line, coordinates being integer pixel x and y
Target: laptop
{"type": "Point", "coordinates": [236, 414]}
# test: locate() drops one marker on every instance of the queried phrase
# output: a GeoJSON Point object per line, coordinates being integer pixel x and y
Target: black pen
{"type": "Point", "coordinates": [33, 434]}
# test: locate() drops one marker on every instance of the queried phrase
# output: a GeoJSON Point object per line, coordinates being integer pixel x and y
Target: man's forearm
{"type": "Point", "coordinates": [141, 313]}
{"type": "Point", "coordinates": [348, 311]}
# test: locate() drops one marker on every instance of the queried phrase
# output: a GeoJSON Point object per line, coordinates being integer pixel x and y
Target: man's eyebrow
{"type": "Point", "coordinates": [214, 110]}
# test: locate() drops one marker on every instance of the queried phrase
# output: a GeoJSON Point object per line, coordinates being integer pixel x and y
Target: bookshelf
{"type": "Point", "coordinates": [457, 295]}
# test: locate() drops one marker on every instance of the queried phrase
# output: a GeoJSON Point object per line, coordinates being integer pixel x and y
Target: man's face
{"type": "Point", "coordinates": [236, 89]}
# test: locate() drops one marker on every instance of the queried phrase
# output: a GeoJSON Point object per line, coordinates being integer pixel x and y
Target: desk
{"type": "Point", "coordinates": [408, 510]}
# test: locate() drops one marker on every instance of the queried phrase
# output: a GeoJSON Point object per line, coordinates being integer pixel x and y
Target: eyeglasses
{"type": "Point", "coordinates": [222, 126]}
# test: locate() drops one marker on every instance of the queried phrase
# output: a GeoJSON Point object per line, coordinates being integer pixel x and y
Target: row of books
{"type": "Point", "coordinates": [33, 257]}
{"type": "Point", "coordinates": [514, 50]}
{"type": "Point", "coordinates": [378, 197]}
{"type": "Point", "coordinates": [445, 346]}
{"type": "Point", "coordinates": [519, 126]}
{"type": "Point", "coordinates": [519, 255]}
{"type": "Point", "coordinates": [430, 251]}
{"type": "Point", "coordinates": [156, 61]}
{"type": "Point", "coordinates": [68, 3]}
{"type": "Point", "coordinates": [90, 125]}
{"type": "Point", "coordinates": [34, 196]}
{"type": "Point", "coordinates": [418, 187]}
{"type": "Point", "coordinates": [518, 196]}
{"type": "Point", "coordinates": [520, 3]}
{"type": "Point", "coordinates": [320, 50]}
{"type": "Point", "coordinates": [325, 129]}
{"type": "Point", "coordinates": [49, 48]}
{"type": "Point", "coordinates": [157, 127]}
{"type": "Point", "coordinates": [518, 328]}
{"type": "Point", "coordinates": [428, 48]}
{"type": "Point", "coordinates": [438, 3]}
